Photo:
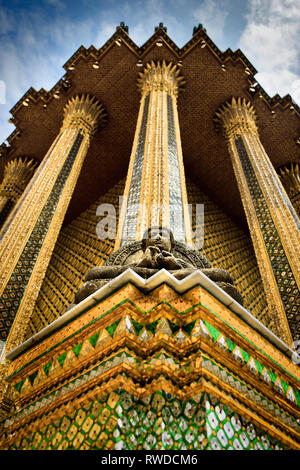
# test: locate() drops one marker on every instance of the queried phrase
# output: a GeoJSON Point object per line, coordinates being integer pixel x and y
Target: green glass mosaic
{"type": "Point", "coordinates": [32, 377]}
{"type": "Point", "coordinates": [228, 430]}
{"type": "Point", "coordinates": [273, 377]}
{"type": "Point", "coordinates": [152, 326]}
{"type": "Point", "coordinates": [189, 327]}
{"type": "Point", "coordinates": [61, 358]}
{"type": "Point", "coordinates": [230, 345]}
{"type": "Point", "coordinates": [76, 350]}
{"type": "Point", "coordinates": [112, 328]}
{"type": "Point", "coordinates": [245, 355]}
{"type": "Point", "coordinates": [259, 366]}
{"type": "Point", "coordinates": [157, 421]}
{"type": "Point", "coordinates": [93, 339]}
{"type": "Point", "coordinates": [285, 279]}
{"type": "Point", "coordinates": [212, 330]}
{"type": "Point", "coordinates": [173, 328]}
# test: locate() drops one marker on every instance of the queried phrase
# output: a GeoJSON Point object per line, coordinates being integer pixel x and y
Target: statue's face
{"type": "Point", "coordinates": [161, 241]}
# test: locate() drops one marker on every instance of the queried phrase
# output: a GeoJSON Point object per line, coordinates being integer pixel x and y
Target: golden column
{"type": "Point", "coordinates": [272, 220]}
{"type": "Point", "coordinates": [28, 239]}
{"type": "Point", "coordinates": [17, 174]}
{"type": "Point", "coordinates": [290, 178]}
{"type": "Point", "coordinates": [155, 190]}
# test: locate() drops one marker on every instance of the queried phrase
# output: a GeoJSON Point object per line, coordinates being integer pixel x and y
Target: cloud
{"type": "Point", "coordinates": [212, 14]}
{"type": "Point", "coordinates": [59, 4]}
{"type": "Point", "coordinates": [7, 21]}
{"type": "Point", "coordinates": [36, 39]}
{"type": "Point", "coordinates": [271, 42]}
{"type": "Point", "coordinates": [144, 15]}
{"type": "Point", "coordinates": [34, 54]}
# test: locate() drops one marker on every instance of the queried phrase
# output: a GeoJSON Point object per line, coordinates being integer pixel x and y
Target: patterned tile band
{"type": "Point", "coordinates": [175, 194]}
{"type": "Point", "coordinates": [158, 421]}
{"type": "Point", "coordinates": [178, 331]}
{"type": "Point", "coordinates": [16, 286]}
{"type": "Point", "coordinates": [280, 265]}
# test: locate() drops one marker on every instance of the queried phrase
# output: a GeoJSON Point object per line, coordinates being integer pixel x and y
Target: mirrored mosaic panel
{"type": "Point", "coordinates": [175, 193]}
{"type": "Point", "coordinates": [130, 222]}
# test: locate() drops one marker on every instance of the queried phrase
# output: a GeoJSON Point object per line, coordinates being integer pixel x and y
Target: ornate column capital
{"type": "Point", "coordinates": [235, 117]}
{"type": "Point", "coordinates": [160, 76]}
{"type": "Point", "coordinates": [17, 174]}
{"type": "Point", "coordinates": [290, 177]}
{"type": "Point", "coordinates": [85, 113]}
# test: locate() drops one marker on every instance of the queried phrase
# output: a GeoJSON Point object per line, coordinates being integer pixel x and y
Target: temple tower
{"type": "Point", "coordinates": [147, 342]}
{"type": "Point", "coordinates": [272, 219]}
{"type": "Point", "coordinates": [155, 191]}
{"type": "Point", "coordinates": [25, 253]}
{"type": "Point", "coordinates": [28, 239]}
{"type": "Point", "coordinates": [290, 178]}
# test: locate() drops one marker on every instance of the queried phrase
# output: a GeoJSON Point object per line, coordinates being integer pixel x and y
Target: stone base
{"type": "Point", "coordinates": [155, 370]}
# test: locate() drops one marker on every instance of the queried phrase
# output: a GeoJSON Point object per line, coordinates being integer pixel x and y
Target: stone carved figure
{"type": "Point", "coordinates": [158, 250]}
{"type": "Point", "coordinates": [157, 246]}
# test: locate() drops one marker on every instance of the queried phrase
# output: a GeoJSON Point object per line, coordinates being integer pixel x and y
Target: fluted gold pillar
{"type": "Point", "coordinates": [155, 191]}
{"type": "Point", "coordinates": [273, 222]}
{"type": "Point", "coordinates": [290, 178]}
{"type": "Point", "coordinates": [17, 174]}
{"type": "Point", "coordinates": [27, 241]}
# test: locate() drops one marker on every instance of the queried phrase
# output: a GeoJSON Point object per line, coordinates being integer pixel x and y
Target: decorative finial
{"type": "Point", "coordinates": [123, 26]}
{"type": "Point", "coordinates": [198, 28]}
{"type": "Point", "coordinates": [160, 26]}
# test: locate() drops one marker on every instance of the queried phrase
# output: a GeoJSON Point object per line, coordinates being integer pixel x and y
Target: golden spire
{"type": "Point", "coordinates": [236, 115]}
{"type": "Point", "coordinates": [155, 190]}
{"type": "Point", "coordinates": [160, 76]}
{"type": "Point", "coordinates": [84, 111]}
{"type": "Point", "coordinates": [17, 174]}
